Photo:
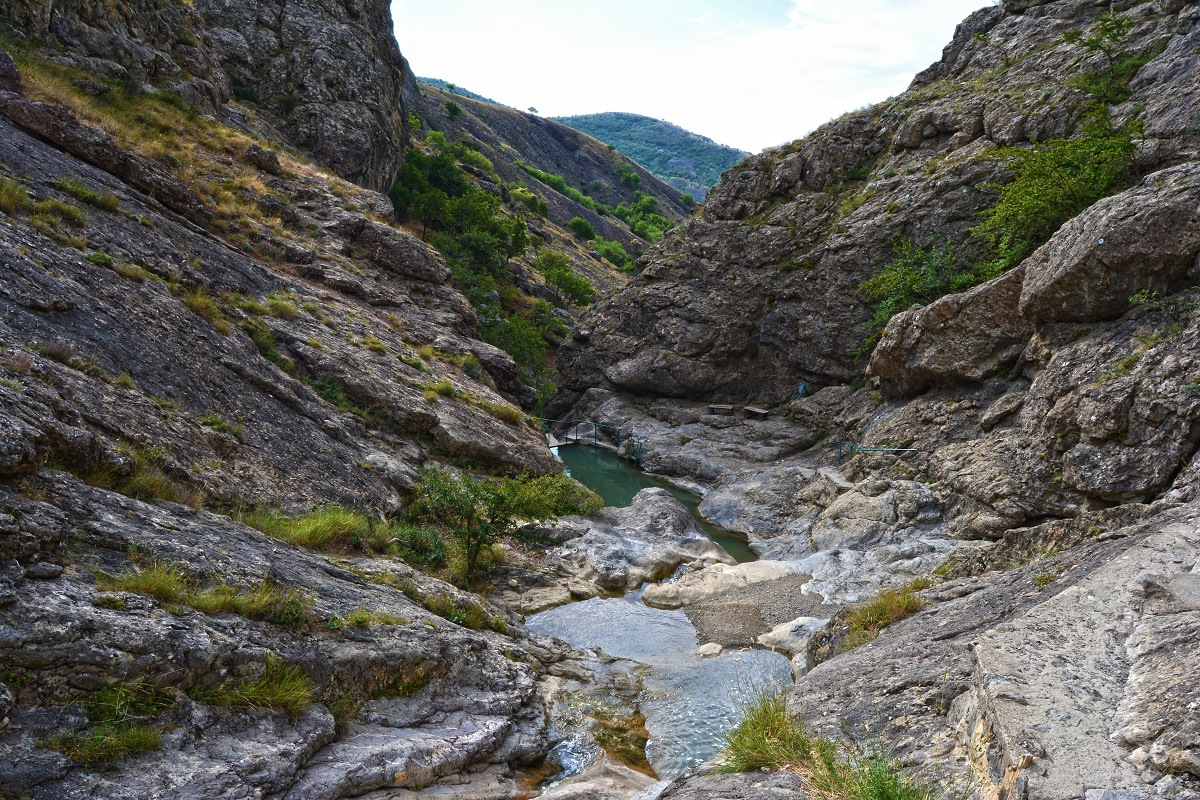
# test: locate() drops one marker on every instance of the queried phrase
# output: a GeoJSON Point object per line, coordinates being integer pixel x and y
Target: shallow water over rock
{"type": "Point", "coordinates": [689, 701]}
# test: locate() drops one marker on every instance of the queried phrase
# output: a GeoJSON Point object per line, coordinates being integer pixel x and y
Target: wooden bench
{"type": "Point", "coordinates": [756, 413]}
{"type": "Point", "coordinates": [721, 411]}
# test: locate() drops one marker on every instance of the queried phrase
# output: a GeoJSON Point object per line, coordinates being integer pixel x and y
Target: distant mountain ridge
{"type": "Point", "coordinates": [688, 161]}
{"type": "Point", "coordinates": [454, 88]}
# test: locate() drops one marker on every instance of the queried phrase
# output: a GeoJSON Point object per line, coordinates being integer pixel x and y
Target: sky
{"type": "Point", "coordinates": [751, 74]}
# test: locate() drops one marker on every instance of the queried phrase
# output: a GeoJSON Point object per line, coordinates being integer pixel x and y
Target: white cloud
{"type": "Point", "coordinates": [750, 86]}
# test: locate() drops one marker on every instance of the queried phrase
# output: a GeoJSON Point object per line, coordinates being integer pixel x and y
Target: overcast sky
{"type": "Point", "coordinates": [749, 74]}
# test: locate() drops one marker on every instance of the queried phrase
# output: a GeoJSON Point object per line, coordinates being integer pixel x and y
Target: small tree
{"type": "Point", "coordinates": [453, 109]}
{"type": "Point", "coordinates": [581, 228]}
{"type": "Point", "coordinates": [476, 513]}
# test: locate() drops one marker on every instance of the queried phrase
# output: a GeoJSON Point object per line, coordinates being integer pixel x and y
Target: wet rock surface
{"type": "Point", "coordinates": [613, 551]}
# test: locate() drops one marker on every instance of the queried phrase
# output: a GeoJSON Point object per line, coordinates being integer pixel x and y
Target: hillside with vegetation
{"type": "Point", "coordinates": [687, 161]}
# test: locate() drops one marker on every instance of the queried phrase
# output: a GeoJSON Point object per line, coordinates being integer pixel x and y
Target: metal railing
{"type": "Point", "coordinates": [849, 449]}
{"type": "Point", "coordinates": [634, 447]}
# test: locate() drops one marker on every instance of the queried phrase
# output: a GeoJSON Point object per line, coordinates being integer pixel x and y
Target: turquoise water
{"type": "Point", "coordinates": [617, 480]}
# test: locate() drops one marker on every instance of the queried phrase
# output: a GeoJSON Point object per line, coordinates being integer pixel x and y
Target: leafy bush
{"type": "Point", "coordinates": [576, 289]}
{"type": "Point", "coordinates": [643, 217]}
{"type": "Point", "coordinates": [559, 184]}
{"type": "Point", "coordinates": [581, 228]}
{"type": "Point", "coordinates": [615, 254]}
{"type": "Point", "coordinates": [453, 109]}
{"type": "Point", "coordinates": [1052, 182]}
{"type": "Point", "coordinates": [550, 259]}
{"type": "Point", "coordinates": [915, 275]}
{"type": "Point", "coordinates": [628, 175]}
{"type": "Point", "coordinates": [478, 512]}
{"type": "Point", "coordinates": [422, 547]}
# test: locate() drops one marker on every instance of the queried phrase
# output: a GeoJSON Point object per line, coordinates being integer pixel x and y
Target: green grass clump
{"type": "Point", "coordinates": [442, 388]}
{"type": "Point", "coordinates": [59, 220]}
{"type": "Point", "coordinates": [281, 307]}
{"type": "Point", "coordinates": [131, 271]}
{"type": "Point", "coordinates": [165, 583]}
{"type": "Point", "coordinates": [170, 586]}
{"type": "Point", "coordinates": [219, 424]}
{"type": "Point", "coordinates": [14, 197]}
{"type": "Point", "coordinates": [204, 305]}
{"type": "Point", "coordinates": [769, 738]}
{"type": "Point", "coordinates": [100, 259]}
{"type": "Point", "coordinates": [332, 529]}
{"type": "Point", "coordinates": [468, 614]}
{"type": "Point", "coordinates": [282, 686]}
{"type": "Point", "coordinates": [502, 411]}
{"type": "Point", "coordinates": [867, 621]}
{"type": "Point", "coordinates": [83, 194]}
{"type": "Point", "coordinates": [120, 726]}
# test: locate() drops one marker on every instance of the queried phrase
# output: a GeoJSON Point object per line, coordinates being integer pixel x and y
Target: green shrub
{"type": "Point", "coordinates": [422, 547]}
{"type": "Point", "coordinates": [550, 259]}
{"type": "Point", "coordinates": [100, 259]}
{"type": "Point", "coordinates": [615, 254]}
{"type": "Point", "coordinates": [581, 228]}
{"type": "Point", "coordinates": [628, 175]}
{"type": "Point", "coordinates": [576, 289]}
{"type": "Point", "coordinates": [915, 275]}
{"type": "Point", "coordinates": [559, 184]}
{"type": "Point", "coordinates": [453, 109]}
{"type": "Point", "coordinates": [478, 512]}
{"type": "Point", "coordinates": [1052, 182]}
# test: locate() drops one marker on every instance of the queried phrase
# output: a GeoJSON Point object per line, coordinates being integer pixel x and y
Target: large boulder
{"type": "Point", "coordinates": [1146, 238]}
{"type": "Point", "coordinates": [961, 337]}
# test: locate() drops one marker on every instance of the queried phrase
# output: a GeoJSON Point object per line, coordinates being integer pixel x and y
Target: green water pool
{"type": "Point", "coordinates": [617, 480]}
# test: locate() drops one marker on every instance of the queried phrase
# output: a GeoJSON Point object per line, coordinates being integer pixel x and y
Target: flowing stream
{"type": "Point", "coordinates": [689, 701]}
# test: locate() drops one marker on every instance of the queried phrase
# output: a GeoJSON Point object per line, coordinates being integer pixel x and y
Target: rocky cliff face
{"type": "Point", "coordinates": [1031, 443]}
{"type": "Point", "coordinates": [279, 59]}
{"type": "Point", "coordinates": [764, 281]}
{"type": "Point", "coordinates": [203, 321]}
